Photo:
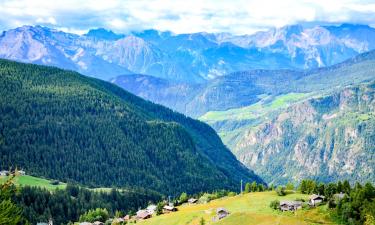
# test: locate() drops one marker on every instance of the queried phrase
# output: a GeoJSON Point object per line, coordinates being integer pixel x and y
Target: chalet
{"type": "Point", "coordinates": [127, 218]}
{"type": "Point", "coordinates": [192, 200]}
{"type": "Point", "coordinates": [85, 223]}
{"type": "Point", "coordinates": [221, 213]}
{"type": "Point", "coordinates": [116, 220]}
{"type": "Point", "coordinates": [151, 209]}
{"type": "Point", "coordinates": [143, 214]}
{"type": "Point", "coordinates": [4, 173]}
{"type": "Point", "coordinates": [290, 205]}
{"type": "Point", "coordinates": [316, 199]}
{"type": "Point", "coordinates": [98, 223]}
{"type": "Point", "coordinates": [338, 197]}
{"type": "Point", "coordinates": [169, 208]}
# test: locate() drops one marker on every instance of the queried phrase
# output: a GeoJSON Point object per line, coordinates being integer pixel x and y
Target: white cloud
{"type": "Point", "coordinates": [181, 16]}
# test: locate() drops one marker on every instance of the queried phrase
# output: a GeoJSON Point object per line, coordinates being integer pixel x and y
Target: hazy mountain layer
{"type": "Point", "coordinates": [191, 58]}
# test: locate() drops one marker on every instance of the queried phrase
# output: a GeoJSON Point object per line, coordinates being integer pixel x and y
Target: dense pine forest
{"type": "Point", "coordinates": [62, 125]}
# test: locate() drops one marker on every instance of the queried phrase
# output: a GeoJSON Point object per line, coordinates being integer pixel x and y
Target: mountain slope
{"type": "Point", "coordinates": [328, 138]}
{"type": "Point", "coordinates": [322, 111]}
{"type": "Point", "coordinates": [62, 125]}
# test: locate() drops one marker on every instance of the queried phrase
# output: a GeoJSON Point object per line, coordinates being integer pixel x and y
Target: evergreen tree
{"type": "Point", "coordinates": [247, 187]}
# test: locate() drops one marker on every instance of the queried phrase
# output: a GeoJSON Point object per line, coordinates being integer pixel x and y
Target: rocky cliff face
{"type": "Point", "coordinates": [326, 138]}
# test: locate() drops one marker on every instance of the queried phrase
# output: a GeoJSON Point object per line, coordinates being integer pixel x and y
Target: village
{"type": "Point", "coordinates": [220, 212]}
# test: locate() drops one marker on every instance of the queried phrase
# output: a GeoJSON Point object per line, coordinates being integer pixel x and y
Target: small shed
{"type": "Point", "coordinates": [85, 223]}
{"type": "Point", "coordinates": [221, 213]}
{"type": "Point", "coordinates": [316, 199]}
{"type": "Point", "coordinates": [4, 173]}
{"type": "Point", "coordinates": [98, 223]}
{"type": "Point", "coordinates": [338, 197]}
{"type": "Point", "coordinates": [143, 214]}
{"type": "Point", "coordinates": [290, 205]}
{"type": "Point", "coordinates": [169, 208]}
{"type": "Point", "coordinates": [192, 200]}
{"type": "Point", "coordinates": [127, 217]}
{"type": "Point", "coordinates": [151, 209]}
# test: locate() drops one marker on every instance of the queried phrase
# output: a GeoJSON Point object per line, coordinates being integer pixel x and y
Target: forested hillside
{"type": "Point", "coordinates": [62, 125]}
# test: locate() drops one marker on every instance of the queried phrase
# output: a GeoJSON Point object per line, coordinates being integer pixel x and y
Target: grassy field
{"type": "Point", "coordinates": [258, 109]}
{"type": "Point", "coordinates": [27, 180]}
{"type": "Point", "coordinates": [245, 209]}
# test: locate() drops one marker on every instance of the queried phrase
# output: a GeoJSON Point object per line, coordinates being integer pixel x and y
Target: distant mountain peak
{"type": "Point", "coordinates": [105, 34]}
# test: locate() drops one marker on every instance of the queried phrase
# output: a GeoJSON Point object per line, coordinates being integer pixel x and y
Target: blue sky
{"type": "Point", "coordinates": [186, 16]}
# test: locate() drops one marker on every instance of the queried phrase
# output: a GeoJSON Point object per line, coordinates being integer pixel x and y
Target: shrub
{"type": "Point", "coordinates": [275, 204]}
{"type": "Point", "coordinates": [280, 191]}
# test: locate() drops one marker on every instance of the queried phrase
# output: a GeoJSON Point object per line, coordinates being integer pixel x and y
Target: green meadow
{"type": "Point", "coordinates": [247, 209]}
{"type": "Point", "coordinates": [27, 180]}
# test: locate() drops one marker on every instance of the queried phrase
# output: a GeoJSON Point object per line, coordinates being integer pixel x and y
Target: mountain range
{"type": "Point", "coordinates": [192, 58]}
{"type": "Point", "coordinates": [290, 103]}
{"type": "Point", "coordinates": [249, 110]}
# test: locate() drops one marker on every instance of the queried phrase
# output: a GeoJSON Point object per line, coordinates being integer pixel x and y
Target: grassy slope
{"type": "Point", "coordinates": [246, 209]}
{"type": "Point", "coordinates": [27, 180]}
{"type": "Point", "coordinates": [254, 110]}
{"type": "Point", "coordinates": [254, 114]}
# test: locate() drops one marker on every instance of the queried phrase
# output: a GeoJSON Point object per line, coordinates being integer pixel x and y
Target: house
{"type": "Point", "coordinates": [143, 214]}
{"type": "Point", "coordinates": [21, 172]}
{"type": "Point", "coordinates": [290, 205]}
{"type": "Point", "coordinates": [127, 217]}
{"type": "Point", "coordinates": [4, 173]}
{"type": "Point", "coordinates": [85, 223]}
{"type": "Point", "coordinates": [98, 223]}
{"type": "Point", "coordinates": [151, 209]}
{"type": "Point", "coordinates": [221, 213]}
{"type": "Point", "coordinates": [192, 200]}
{"type": "Point", "coordinates": [338, 197]}
{"type": "Point", "coordinates": [316, 199]}
{"type": "Point", "coordinates": [169, 208]}
{"type": "Point", "coordinates": [116, 220]}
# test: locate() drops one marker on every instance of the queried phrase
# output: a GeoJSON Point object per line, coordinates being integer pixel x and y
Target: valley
{"type": "Point", "coordinates": [149, 126]}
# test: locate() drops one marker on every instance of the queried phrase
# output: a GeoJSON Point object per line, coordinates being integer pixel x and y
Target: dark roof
{"type": "Point", "coordinates": [221, 209]}
{"type": "Point", "coordinates": [314, 196]}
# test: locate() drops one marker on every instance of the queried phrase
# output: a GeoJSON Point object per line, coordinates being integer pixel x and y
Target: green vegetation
{"type": "Point", "coordinates": [61, 125]}
{"type": "Point", "coordinates": [254, 111]}
{"type": "Point", "coordinates": [280, 191]}
{"type": "Point", "coordinates": [27, 180]}
{"type": "Point", "coordinates": [64, 205]}
{"type": "Point", "coordinates": [95, 215]}
{"type": "Point", "coordinates": [10, 214]}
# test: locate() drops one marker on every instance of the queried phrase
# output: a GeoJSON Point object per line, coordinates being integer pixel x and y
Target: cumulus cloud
{"type": "Point", "coordinates": [181, 16]}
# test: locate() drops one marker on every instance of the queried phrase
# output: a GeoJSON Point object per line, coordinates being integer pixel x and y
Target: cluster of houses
{"type": "Point", "coordinates": [314, 201]}
{"type": "Point", "coordinates": [7, 173]}
{"type": "Point", "coordinates": [141, 214]}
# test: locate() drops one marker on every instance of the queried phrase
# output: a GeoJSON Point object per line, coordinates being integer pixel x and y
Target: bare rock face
{"type": "Point", "coordinates": [327, 138]}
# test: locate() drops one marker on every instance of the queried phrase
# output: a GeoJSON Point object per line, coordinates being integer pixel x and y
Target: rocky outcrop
{"type": "Point", "coordinates": [327, 138]}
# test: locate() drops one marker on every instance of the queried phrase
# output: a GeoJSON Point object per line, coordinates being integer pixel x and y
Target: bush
{"type": "Point", "coordinates": [231, 194]}
{"type": "Point", "coordinates": [280, 191]}
{"type": "Point", "coordinates": [183, 198]}
{"type": "Point", "coordinates": [275, 204]}
{"type": "Point", "coordinates": [95, 215]}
